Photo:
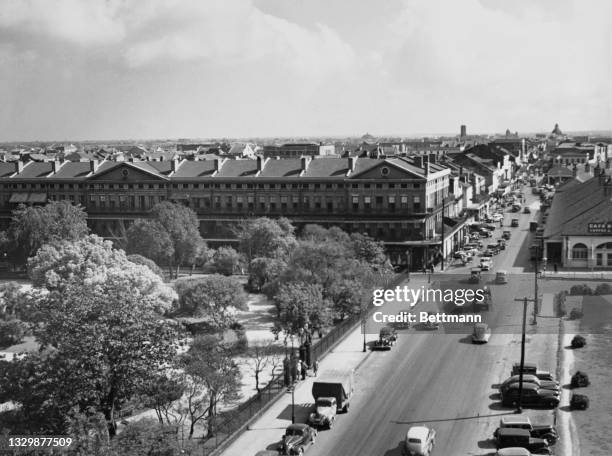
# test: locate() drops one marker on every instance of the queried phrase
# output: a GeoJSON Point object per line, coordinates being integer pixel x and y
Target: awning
{"type": "Point", "coordinates": [37, 198]}
{"type": "Point", "coordinates": [18, 198]}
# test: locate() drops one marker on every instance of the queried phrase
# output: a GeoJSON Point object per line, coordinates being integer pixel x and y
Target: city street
{"type": "Point", "coordinates": [442, 380]}
{"type": "Point", "coordinates": [438, 378]}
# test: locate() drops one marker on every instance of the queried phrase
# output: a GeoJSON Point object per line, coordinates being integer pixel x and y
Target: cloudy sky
{"type": "Point", "coordinates": [94, 69]}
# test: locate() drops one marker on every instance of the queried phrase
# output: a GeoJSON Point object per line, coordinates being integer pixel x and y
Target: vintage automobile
{"type": "Point", "coordinates": [386, 338]}
{"type": "Point", "coordinates": [324, 414]}
{"type": "Point", "coordinates": [475, 275]}
{"type": "Point", "coordinates": [530, 368]}
{"type": "Point", "coordinates": [526, 210]}
{"type": "Point", "coordinates": [514, 223]}
{"type": "Point", "coordinates": [297, 439]}
{"type": "Point", "coordinates": [529, 378]}
{"type": "Point", "coordinates": [542, 431]}
{"type": "Point", "coordinates": [533, 396]}
{"type": "Point", "coordinates": [513, 451]}
{"type": "Point", "coordinates": [512, 437]}
{"type": "Point", "coordinates": [516, 207]}
{"type": "Point", "coordinates": [486, 263]}
{"type": "Point", "coordinates": [419, 441]}
{"type": "Point", "coordinates": [506, 235]}
{"type": "Point", "coordinates": [481, 334]}
{"type": "Point", "coordinates": [501, 244]}
{"type": "Point", "coordinates": [485, 302]}
{"type": "Point", "coordinates": [501, 277]}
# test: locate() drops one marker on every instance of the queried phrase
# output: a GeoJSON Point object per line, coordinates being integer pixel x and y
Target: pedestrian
{"type": "Point", "coordinates": [298, 370]}
{"type": "Point", "coordinates": [320, 331]}
{"type": "Point", "coordinates": [304, 369]}
{"type": "Point", "coordinates": [286, 371]}
{"type": "Point", "coordinates": [556, 267]}
{"type": "Point", "coordinates": [431, 268]}
{"type": "Point", "coordinates": [315, 367]}
{"type": "Point", "coordinates": [294, 372]}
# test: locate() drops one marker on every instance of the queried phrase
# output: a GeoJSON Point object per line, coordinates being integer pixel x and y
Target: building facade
{"type": "Point", "coordinates": [398, 201]}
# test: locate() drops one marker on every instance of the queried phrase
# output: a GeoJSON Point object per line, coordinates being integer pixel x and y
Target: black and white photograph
{"type": "Point", "coordinates": [305, 227]}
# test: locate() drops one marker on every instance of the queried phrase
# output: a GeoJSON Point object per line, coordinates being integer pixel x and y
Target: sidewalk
{"type": "Point", "coordinates": [548, 308]}
{"type": "Point", "coordinates": [266, 431]}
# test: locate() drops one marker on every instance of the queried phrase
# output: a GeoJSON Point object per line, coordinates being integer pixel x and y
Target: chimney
{"type": "Point", "coordinates": [351, 163]}
{"type": "Point", "coordinates": [19, 166]}
{"type": "Point", "coordinates": [260, 163]}
{"type": "Point", "coordinates": [418, 161]}
{"type": "Point", "coordinates": [426, 164]}
{"type": "Point", "coordinates": [174, 165]}
{"type": "Point", "coordinates": [93, 166]}
{"type": "Point", "coordinates": [575, 170]}
{"type": "Point", "coordinates": [55, 166]}
{"type": "Point", "coordinates": [461, 170]}
{"type": "Point", "coordinates": [218, 164]}
{"type": "Point", "coordinates": [304, 163]}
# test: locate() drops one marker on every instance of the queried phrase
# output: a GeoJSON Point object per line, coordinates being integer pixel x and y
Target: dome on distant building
{"type": "Point", "coordinates": [368, 138]}
{"type": "Point", "coordinates": [557, 130]}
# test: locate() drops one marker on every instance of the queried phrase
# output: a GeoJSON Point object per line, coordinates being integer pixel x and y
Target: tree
{"type": "Point", "coordinates": [146, 437]}
{"type": "Point", "coordinates": [32, 227]}
{"type": "Point", "coordinates": [99, 346]}
{"type": "Point", "coordinates": [260, 356]}
{"type": "Point", "coordinates": [264, 237]}
{"type": "Point", "coordinates": [299, 304]}
{"type": "Point", "coordinates": [150, 239]}
{"type": "Point", "coordinates": [214, 377]}
{"type": "Point", "coordinates": [265, 270]}
{"type": "Point", "coordinates": [182, 226]}
{"type": "Point", "coordinates": [93, 263]}
{"type": "Point", "coordinates": [161, 394]}
{"type": "Point", "coordinates": [215, 297]}
{"type": "Point", "coordinates": [139, 259]}
{"type": "Point", "coordinates": [226, 261]}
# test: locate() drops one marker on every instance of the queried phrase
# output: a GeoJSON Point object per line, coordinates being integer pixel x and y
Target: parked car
{"type": "Point", "coordinates": [324, 414]}
{"type": "Point", "coordinates": [533, 396]}
{"type": "Point", "coordinates": [511, 438]}
{"type": "Point", "coordinates": [514, 451]}
{"type": "Point", "coordinates": [542, 431]}
{"type": "Point", "coordinates": [516, 207]}
{"type": "Point", "coordinates": [529, 378]}
{"type": "Point", "coordinates": [530, 368]}
{"type": "Point", "coordinates": [501, 243]}
{"type": "Point", "coordinates": [514, 223]}
{"type": "Point", "coordinates": [419, 441]}
{"type": "Point", "coordinates": [497, 217]}
{"type": "Point", "coordinates": [297, 439]}
{"type": "Point", "coordinates": [481, 334]}
{"type": "Point", "coordinates": [526, 210]}
{"type": "Point", "coordinates": [386, 338]}
{"type": "Point", "coordinates": [506, 235]}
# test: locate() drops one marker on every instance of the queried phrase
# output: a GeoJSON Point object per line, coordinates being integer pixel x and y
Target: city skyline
{"type": "Point", "coordinates": [269, 68]}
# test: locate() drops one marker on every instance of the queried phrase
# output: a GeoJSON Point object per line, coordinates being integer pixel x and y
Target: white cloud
{"type": "Point", "coordinates": [76, 21]}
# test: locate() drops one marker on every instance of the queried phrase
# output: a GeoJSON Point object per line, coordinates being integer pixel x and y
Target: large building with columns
{"type": "Point", "coordinates": [397, 200]}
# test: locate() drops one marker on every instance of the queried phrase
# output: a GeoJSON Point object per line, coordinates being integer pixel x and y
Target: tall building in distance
{"type": "Point", "coordinates": [463, 131]}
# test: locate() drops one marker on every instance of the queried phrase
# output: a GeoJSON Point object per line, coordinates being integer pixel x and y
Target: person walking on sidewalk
{"type": "Point", "coordinates": [298, 369]}
{"type": "Point", "coordinates": [315, 367]}
{"type": "Point", "coordinates": [304, 369]}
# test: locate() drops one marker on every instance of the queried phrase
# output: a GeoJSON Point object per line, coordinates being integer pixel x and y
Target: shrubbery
{"type": "Point", "coordinates": [12, 332]}
{"type": "Point", "coordinates": [603, 289]}
{"type": "Point", "coordinates": [575, 314]}
{"type": "Point", "coordinates": [578, 341]}
{"type": "Point", "coordinates": [580, 290]}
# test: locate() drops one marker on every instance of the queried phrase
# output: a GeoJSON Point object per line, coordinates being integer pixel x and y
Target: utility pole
{"type": "Point", "coordinates": [363, 330]}
{"type": "Point", "coordinates": [522, 365]}
{"type": "Point", "coordinates": [442, 262]}
{"type": "Point", "coordinates": [535, 285]}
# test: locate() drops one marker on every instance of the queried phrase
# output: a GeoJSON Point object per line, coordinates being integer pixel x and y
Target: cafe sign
{"type": "Point", "coordinates": [600, 227]}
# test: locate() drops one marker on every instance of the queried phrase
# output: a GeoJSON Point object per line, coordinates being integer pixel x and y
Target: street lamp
{"type": "Point", "coordinates": [363, 330]}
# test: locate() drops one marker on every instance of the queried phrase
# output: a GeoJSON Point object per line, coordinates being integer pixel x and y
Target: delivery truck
{"type": "Point", "coordinates": [337, 384]}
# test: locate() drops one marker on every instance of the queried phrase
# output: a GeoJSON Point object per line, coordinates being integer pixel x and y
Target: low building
{"type": "Point", "coordinates": [578, 230]}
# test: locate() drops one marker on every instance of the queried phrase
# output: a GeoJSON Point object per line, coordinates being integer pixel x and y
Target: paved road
{"type": "Point", "coordinates": [441, 380]}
